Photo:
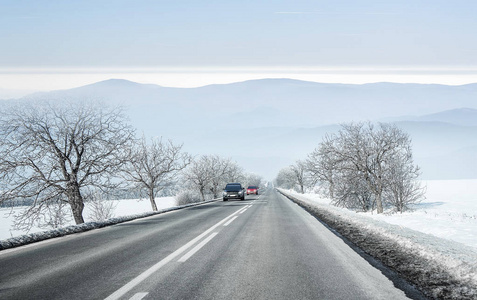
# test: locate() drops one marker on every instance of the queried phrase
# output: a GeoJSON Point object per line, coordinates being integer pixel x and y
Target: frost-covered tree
{"type": "Point", "coordinates": [294, 176]}
{"type": "Point", "coordinates": [322, 166]}
{"type": "Point", "coordinates": [300, 175]}
{"type": "Point", "coordinates": [402, 186]}
{"type": "Point", "coordinates": [351, 191]}
{"type": "Point", "coordinates": [252, 179]}
{"type": "Point", "coordinates": [100, 209]}
{"type": "Point", "coordinates": [198, 174]}
{"type": "Point", "coordinates": [154, 165]}
{"type": "Point", "coordinates": [233, 173]}
{"type": "Point", "coordinates": [367, 166]}
{"type": "Point", "coordinates": [222, 170]}
{"type": "Point", "coordinates": [51, 151]}
{"type": "Point", "coordinates": [285, 178]}
{"type": "Point", "coordinates": [46, 215]}
{"type": "Point", "coordinates": [209, 173]}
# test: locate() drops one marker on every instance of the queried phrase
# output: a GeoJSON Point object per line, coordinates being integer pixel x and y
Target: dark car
{"type": "Point", "coordinates": [233, 191]}
{"type": "Point", "coordinates": [252, 190]}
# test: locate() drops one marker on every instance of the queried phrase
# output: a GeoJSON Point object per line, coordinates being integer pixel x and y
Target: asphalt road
{"type": "Point", "coordinates": [265, 247]}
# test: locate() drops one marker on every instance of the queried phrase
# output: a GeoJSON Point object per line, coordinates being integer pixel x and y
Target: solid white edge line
{"type": "Point", "coordinates": [141, 277]}
{"type": "Point", "coordinates": [230, 221]}
{"type": "Point", "coordinates": [138, 296]}
{"type": "Point", "coordinates": [197, 248]}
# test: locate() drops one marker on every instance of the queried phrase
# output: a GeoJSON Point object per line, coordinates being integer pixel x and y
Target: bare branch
{"type": "Point", "coordinates": [54, 149]}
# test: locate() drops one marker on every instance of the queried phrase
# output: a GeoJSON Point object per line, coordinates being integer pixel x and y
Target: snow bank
{"type": "Point", "coordinates": [40, 236]}
{"type": "Point", "coordinates": [124, 207]}
{"type": "Point", "coordinates": [449, 211]}
{"type": "Point", "coordinates": [440, 268]}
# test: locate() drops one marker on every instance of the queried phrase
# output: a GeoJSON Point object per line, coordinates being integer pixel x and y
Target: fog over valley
{"type": "Point", "coordinates": [281, 120]}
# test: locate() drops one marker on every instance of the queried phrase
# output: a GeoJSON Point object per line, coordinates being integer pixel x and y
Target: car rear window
{"type": "Point", "coordinates": [233, 187]}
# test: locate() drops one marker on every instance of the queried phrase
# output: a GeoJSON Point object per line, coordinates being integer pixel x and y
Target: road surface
{"type": "Point", "coordinates": [265, 247]}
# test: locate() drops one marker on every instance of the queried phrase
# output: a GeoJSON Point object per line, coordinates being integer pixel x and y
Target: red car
{"type": "Point", "coordinates": [252, 190]}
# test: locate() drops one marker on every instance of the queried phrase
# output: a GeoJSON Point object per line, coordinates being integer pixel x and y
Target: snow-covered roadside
{"type": "Point", "coordinates": [127, 210]}
{"type": "Point", "coordinates": [124, 207]}
{"type": "Point", "coordinates": [441, 268]}
{"type": "Point", "coordinates": [449, 211]}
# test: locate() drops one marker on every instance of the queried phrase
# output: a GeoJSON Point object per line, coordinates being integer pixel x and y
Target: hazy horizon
{"type": "Point", "coordinates": [59, 79]}
{"type": "Point", "coordinates": [59, 45]}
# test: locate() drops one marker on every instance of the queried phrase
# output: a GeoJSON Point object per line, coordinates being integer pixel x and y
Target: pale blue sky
{"type": "Point", "coordinates": [286, 33]}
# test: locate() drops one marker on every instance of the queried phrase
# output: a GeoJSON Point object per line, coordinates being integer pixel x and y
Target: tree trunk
{"type": "Point", "coordinates": [202, 194]}
{"type": "Point", "coordinates": [152, 199]}
{"type": "Point", "coordinates": [379, 203]}
{"type": "Point", "coordinates": [76, 202]}
{"type": "Point", "coordinates": [215, 191]}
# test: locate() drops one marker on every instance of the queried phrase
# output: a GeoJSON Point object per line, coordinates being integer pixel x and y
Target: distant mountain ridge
{"type": "Point", "coordinates": [282, 120]}
{"type": "Point", "coordinates": [303, 103]}
{"type": "Point", "coordinates": [459, 116]}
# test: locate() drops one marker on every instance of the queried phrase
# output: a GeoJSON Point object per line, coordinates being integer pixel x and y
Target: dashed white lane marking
{"type": "Point", "coordinates": [197, 248]}
{"type": "Point", "coordinates": [245, 208]}
{"type": "Point", "coordinates": [138, 296]}
{"type": "Point", "coordinates": [141, 277]}
{"type": "Point", "coordinates": [230, 221]}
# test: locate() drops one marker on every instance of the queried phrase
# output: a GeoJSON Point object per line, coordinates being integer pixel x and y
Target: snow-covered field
{"type": "Point", "coordinates": [121, 208]}
{"type": "Point", "coordinates": [449, 211]}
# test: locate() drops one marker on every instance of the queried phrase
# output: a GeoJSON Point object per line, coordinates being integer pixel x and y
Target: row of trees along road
{"type": "Point", "coordinates": [363, 166]}
{"type": "Point", "coordinates": [208, 174]}
{"type": "Point", "coordinates": [60, 152]}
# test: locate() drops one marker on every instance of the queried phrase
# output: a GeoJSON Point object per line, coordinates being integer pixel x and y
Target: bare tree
{"type": "Point", "coordinates": [357, 163]}
{"type": "Point", "coordinates": [51, 151]}
{"type": "Point", "coordinates": [155, 165]}
{"type": "Point", "coordinates": [233, 173]}
{"type": "Point", "coordinates": [388, 146]}
{"type": "Point", "coordinates": [217, 168]}
{"type": "Point", "coordinates": [198, 174]}
{"type": "Point", "coordinates": [48, 214]}
{"type": "Point", "coordinates": [299, 170]}
{"type": "Point", "coordinates": [100, 209]}
{"type": "Point", "coordinates": [293, 177]}
{"type": "Point", "coordinates": [402, 187]}
{"type": "Point", "coordinates": [351, 191]}
{"type": "Point", "coordinates": [285, 179]}
{"type": "Point", "coordinates": [187, 196]}
{"type": "Point", "coordinates": [367, 166]}
{"type": "Point", "coordinates": [253, 179]}
{"type": "Point", "coordinates": [209, 173]}
{"type": "Point", "coordinates": [322, 165]}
